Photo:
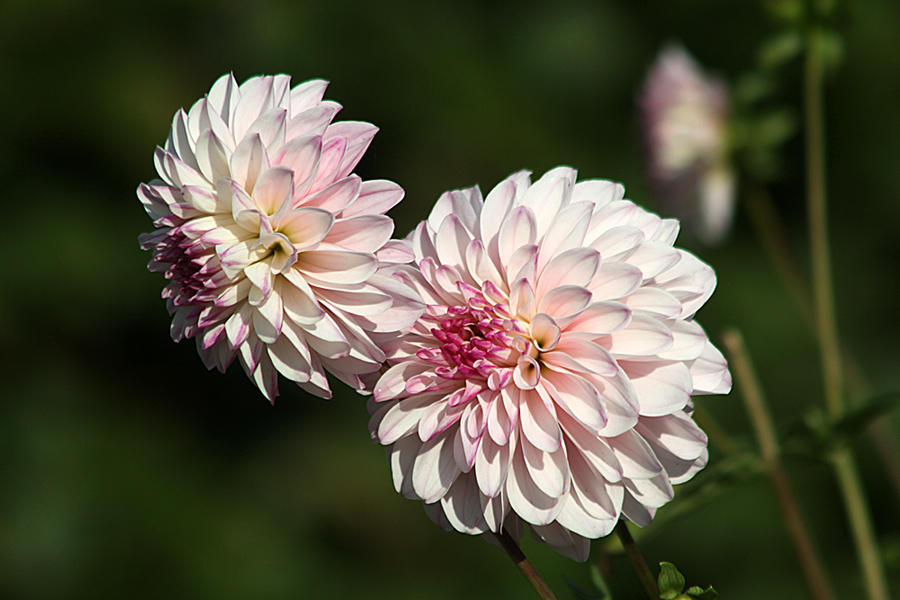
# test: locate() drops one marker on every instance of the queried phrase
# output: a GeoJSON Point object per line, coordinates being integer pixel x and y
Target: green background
{"type": "Point", "coordinates": [129, 471]}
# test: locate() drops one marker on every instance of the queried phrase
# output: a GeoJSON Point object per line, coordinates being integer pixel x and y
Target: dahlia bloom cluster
{"type": "Point", "coordinates": [532, 355]}
{"type": "Point", "coordinates": [274, 251]}
{"type": "Point", "coordinates": [685, 116]}
{"type": "Point", "coordinates": [549, 381]}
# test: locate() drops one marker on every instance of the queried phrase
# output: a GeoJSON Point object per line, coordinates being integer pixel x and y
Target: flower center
{"type": "Point", "coordinates": [481, 341]}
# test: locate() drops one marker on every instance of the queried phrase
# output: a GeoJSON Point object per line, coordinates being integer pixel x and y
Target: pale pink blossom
{"type": "Point", "coordinates": [549, 381]}
{"type": "Point", "coordinates": [685, 114]}
{"type": "Point", "coordinates": [275, 252]}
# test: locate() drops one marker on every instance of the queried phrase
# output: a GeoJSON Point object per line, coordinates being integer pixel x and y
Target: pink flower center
{"type": "Point", "coordinates": [479, 340]}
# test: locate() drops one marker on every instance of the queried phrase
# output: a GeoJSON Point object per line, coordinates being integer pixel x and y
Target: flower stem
{"type": "Point", "coordinates": [525, 566]}
{"type": "Point", "coordinates": [637, 560]}
{"type": "Point", "coordinates": [826, 322]}
{"type": "Point", "coordinates": [751, 392]}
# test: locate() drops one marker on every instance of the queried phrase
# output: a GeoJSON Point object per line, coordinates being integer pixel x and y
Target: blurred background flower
{"type": "Point", "coordinates": [128, 471]}
{"type": "Point", "coordinates": [684, 115]}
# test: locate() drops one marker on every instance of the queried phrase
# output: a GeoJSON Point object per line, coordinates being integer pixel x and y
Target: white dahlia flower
{"type": "Point", "coordinates": [274, 251]}
{"type": "Point", "coordinates": [549, 381]}
{"type": "Point", "coordinates": [685, 116]}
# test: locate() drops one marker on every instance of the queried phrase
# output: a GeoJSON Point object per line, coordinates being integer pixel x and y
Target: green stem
{"type": "Point", "coordinates": [751, 392]}
{"type": "Point", "coordinates": [820, 250]}
{"type": "Point", "coordinates": [524, 565]}
{"type": "Point", "coordinates": [860, 523]}
{"type": "Point", "coordinates": [637, 560]}
{"type": "Point", "coordinates": [845, 468]}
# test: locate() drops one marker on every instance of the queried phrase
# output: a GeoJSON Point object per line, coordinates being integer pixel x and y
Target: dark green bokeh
{"type": "Point", "coordinates": [127, 470]}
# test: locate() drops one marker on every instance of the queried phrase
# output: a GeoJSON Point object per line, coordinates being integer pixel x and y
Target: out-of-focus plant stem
{"type": "Point", "coordinates": [751, 392]}
{"type": "Point", "coordinates": [767, 224]}
{"type": "Point", "coordinates": [524, 565]}
{"type": "Point", "coordinates": [826, 322]}
{"type": "Point", "coordinates": [637, 560]}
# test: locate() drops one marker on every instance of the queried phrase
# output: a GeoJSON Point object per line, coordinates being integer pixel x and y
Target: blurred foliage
{"type": "Point", "coordinates": [127, 470]}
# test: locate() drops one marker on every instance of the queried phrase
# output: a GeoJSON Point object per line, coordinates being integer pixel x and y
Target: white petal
{"type": "Point", "coordinates": [403, 417]}
{"type": "Point", "coordinates": [337, 266]}
{"type": "Point", "coordinates": [526, 498]}
{"type": "Point", "coordinates": [289, 360]}
{"type": "Point", "coordinates": [366, 233]}
{"type": "Point", "coordinates": [435, 470]}
{"type": "Point", "coordinates": [592, 448]}
{"type": "Point", "coordinates": [519, 229]}
{"type": "Point", "coordinates": [376, 197]}
{"type": "Point", "coordinates": [211, 157]}
{"type": "Point", "coordinates": [493, 215]}
{"type": "Point", "coordinates": [615, 280]}
{"type": "Point", "coordinates": [709, 372]}
{"type": "Point", "coordinates": [662, 387]}
{"type": "Point", "coordinates": [273, 188]}
{"type": "Point", "coordinates": [566, 232]}
{"type": "Point", "coordinates": [572, 267]}
{"type": "Point", "coordinates": [451, 242]}
{"type": "Point", "coordinates": [491, 465]}
{"type": "Point", "coordinates": [538, 421]}
{"type": "Point", "coordinates": [654, 300]}
{"type": "Point", "coordinates": [598, 319]}
{"type": "Point", "coordinates": [299, 300]}
{"type": "Point", "coordinates": [564, 301]}
{"type": "Point", "coordinates": [462, 506]}
{"type": "Point", "coordinates": [548, 470]}
{"type": "Point", "coordinates": [393, 382]}
{"type": "Point", "coordinates": [305, 227]}
{"type": "Point", "coordinates": [653, 258]}
{"type": "Point", "coordinates": [248, 161]}
{"type": "Point", "coordinates": [644, 336]}
{"type": "Point", "coordinates": [581, 356]}
{"type": "Point", "coordinates": [576, 396]}
{"type": "Point", "coordinates": [300, 155]}
{"type": "Point", "coordinates": [546, 198]}
{"type": "Point", "coordinates": [676, 432]}
{"type": "Point", "coordinates": [618, 240]}
{"type": "Point", "coordinates": [689, 341]}
{"type": "Point", "coordinates": [402, 455]}
{"type": "Point", "coordinates": [635, 456]}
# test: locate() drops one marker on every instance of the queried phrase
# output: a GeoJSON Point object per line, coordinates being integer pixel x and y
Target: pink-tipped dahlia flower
{"type": "Point", "coordinates": [685, 115]}
{"type": "Point", "coordinates": [549, 381]}
{"type": "Point", "coordinates": [274, 251]}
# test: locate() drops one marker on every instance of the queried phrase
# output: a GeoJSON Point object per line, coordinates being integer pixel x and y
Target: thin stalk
{"type": "Point", "coordinates": [524, 565]}
{"type": "Point", "coordinates": [860, 523]}
{"type": "Point", "coordinates": [769, 229]}
{"type": "Point", "coordinates": [751, 392]}
{"type": "Point", "coordinates": [820, 250]}
{"type": "Point", "coordinates": [826, 322]}
{"type": "Point", "coordinates": [637, 560]}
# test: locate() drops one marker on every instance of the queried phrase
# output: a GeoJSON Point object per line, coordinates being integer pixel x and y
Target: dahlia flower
{"type": "Point", "coordinates": [275, 253]}
{"type": "Point", "coordinates": [549, 381]}
{"type": "Point", "coordinates": [685, 120]}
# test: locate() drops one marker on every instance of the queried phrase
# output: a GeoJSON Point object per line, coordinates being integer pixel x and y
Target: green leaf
{"type": "Point", "coordinates": [779, 49]}
{"type": "Point", "coordinates": [788, 11]}
{"type": "Point", "coordinates": [582, 594]}
{"type": "Point", "coordinates": [774, 128]}
{"type": "Point", "coordinates": [670, 582]}
{"type": "Point", "coordinates": [696, 591]}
